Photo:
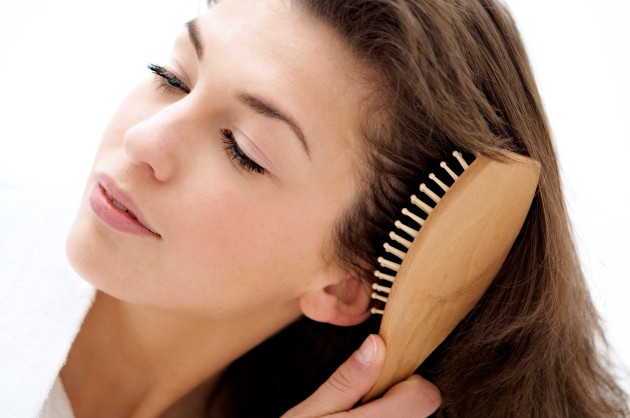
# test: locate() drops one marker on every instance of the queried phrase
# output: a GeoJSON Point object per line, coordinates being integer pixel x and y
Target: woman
{"type": "Point", "coordinates": [249, 166]}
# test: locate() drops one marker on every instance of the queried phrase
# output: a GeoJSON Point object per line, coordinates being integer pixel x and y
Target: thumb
{"type": "Point", "coordinates": [348, 383]}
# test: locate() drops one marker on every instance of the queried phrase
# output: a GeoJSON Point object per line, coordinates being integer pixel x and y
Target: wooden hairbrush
{"type": "Point", "coordinates": [436, 276]}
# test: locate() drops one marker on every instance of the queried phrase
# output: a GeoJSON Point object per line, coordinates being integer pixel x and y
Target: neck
{"type": "Point", "coordinates": [129, 360]}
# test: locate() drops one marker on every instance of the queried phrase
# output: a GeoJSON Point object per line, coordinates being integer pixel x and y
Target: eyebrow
{"type": "Point", "coordinates": [259, 105]}
{"type": "Point", "coordinates": [267, 109]}
{"type": "Point", "coordinates": [193, 34]}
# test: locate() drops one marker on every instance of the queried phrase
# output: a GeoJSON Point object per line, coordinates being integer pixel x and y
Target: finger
{"type": "Point", "coordinates": [347, 384]}
{"type": "Point", "coordinates": [415, 397]}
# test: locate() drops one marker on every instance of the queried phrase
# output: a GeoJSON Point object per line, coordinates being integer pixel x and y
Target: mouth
{"type": "Point", "coordinates": [116, 209]}
{"type": "Point", "coordinates": [117, 204]}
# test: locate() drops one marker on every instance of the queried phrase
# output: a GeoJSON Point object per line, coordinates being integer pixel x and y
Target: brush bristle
{"type": "Point", "coordinates": [431, 191]}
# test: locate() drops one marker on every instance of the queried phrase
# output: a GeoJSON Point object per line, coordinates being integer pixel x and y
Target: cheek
{"type": "Point", "coordinates": [248, 249]}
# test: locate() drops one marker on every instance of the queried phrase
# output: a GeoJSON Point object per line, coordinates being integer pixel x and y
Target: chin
{"type": "Point", "coordinates": [95, 255]}
{"type": "Point", "coordinates": [81, 249]}
{"type": "Point", "coordinates": [90, 251]}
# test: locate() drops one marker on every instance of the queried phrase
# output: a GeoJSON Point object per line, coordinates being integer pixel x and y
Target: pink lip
{"type": "Point", "coordinates": [131, 222]}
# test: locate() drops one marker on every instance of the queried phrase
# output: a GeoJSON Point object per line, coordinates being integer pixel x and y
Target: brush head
{"type": "Point", "coordinates": [452, 258]}
{"type": "Point", "coordinates": [422, 204]}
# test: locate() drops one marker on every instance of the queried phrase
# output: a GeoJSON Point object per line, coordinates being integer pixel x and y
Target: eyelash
{"type": "Point", "coordinates": [172, 83]}
{"type": "Point", "coordinates": [236, 153]}
{"type": "Point", "coordinates": [169, 81]}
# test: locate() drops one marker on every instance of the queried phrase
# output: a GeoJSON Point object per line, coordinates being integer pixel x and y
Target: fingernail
{"type": "Point", "coordinates": [367, 351]}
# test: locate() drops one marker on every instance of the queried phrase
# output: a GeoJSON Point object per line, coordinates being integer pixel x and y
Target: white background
{"type": "Point", "coordinates": [66, 64]}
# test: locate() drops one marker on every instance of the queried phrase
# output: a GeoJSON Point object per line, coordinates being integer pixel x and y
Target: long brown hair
{"type": "Point", "coordinates": [452, 74]}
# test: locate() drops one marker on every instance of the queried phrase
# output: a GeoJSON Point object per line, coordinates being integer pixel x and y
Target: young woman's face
{"type": "Point", "coordinates": [239, 155]}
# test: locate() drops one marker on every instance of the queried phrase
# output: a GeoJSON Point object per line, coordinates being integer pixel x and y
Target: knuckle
{"type": "Point", "coordinates": [341, 381]}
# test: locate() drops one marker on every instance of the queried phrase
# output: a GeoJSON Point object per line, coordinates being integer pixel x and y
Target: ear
{"type": "Point", "coordinates": [344, 303]}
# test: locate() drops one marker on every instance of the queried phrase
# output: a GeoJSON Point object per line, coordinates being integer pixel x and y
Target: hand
{"type": "Point", "coordinates": [414, 397]}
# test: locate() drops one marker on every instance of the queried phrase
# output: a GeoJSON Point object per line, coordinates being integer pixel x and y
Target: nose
{"type": "Point", "coordinates": [158, 141]}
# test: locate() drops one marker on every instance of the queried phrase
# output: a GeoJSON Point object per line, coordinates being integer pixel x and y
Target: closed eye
{"type": "Point", "coordinates": [168, 80]}
{"type": "Point", "coordinates": [236, 153]}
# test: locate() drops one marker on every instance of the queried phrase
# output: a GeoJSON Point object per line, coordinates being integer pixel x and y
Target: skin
{"type": "Point", "coordinates": [240, 254]}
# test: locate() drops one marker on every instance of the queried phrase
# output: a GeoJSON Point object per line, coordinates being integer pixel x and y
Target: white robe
{"type": "Point", "coordinates": [42, 300]}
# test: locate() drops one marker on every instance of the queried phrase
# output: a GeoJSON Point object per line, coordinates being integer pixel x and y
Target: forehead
{"type": "Point", "coordinates": [299, 62]}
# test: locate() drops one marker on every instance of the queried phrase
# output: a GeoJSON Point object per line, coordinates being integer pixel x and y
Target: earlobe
{"type": "Point", "coordinates": [345, 303]}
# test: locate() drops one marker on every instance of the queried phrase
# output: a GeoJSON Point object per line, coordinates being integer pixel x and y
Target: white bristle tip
{"type": "Point", "coordinates": [384, 276]}
{"type": "Point", "coordinates": [449, 171]}
{"type": "Point", "coordinates": [388, 264]}
{"type": "Point", "coordinates": [424, 189]}
{"type": "Point", "coordinates": [380, 288]}
{"type": "Point", "coordinates": [413, 216]}
{"type": "Point", "coordinates": [395, 251]}
{"type": "Point", "coordinates": [439, 182]}
{"type": "Point", "coordinates": [379, 297]}
{"type": "Point", "coordinates": [460, 158]}
{"type": "Point", "coordinates": [419, 203]}
{"type": "Point", "coordinates": [395, 237]}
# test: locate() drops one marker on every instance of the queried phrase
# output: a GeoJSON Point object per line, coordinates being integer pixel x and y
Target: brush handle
{"type": "Point", "coordinates": [453, 260]}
